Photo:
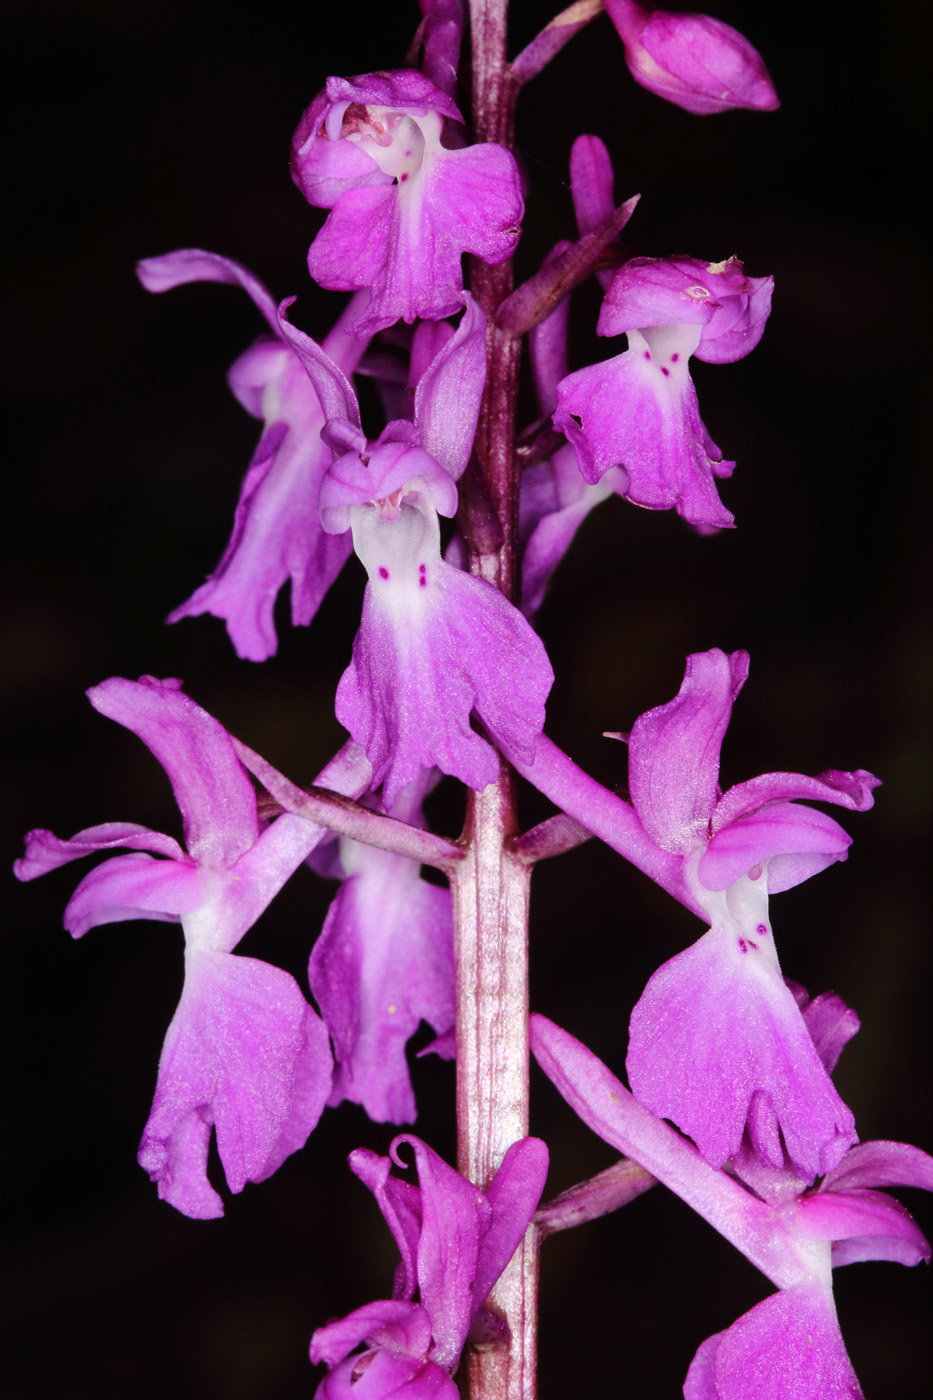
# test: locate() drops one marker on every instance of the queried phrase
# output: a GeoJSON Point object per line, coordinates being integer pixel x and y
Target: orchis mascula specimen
{"type": "Point", "coordinates": [454, 1240]}
{"type": "Point", "coordinates": [245, 1053]}
{"type": "Point", "coordinates": [276, 529]}
{"type": "Point", "coordinates": [434, 643]}
{"type": "Point", "coordinates": [404, 208]}
{"type": "Point", "coordinates": [789, 1345]}
{"type": "Point", "coordinates": [698, 62]}
{"type": "Point", "coordinates": [639, 410]}
{"type": "Point", "coordinates": [716, 1040]}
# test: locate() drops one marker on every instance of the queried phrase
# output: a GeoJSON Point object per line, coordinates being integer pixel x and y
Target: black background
{"type": "Point", "coordinates": [133, 130]}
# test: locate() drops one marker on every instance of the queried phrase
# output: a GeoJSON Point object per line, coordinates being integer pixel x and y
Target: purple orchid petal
{"type": "Point", "coordinates": [851, 790]}
{"type": "Point", "coordinates": [455, 1216]}
{"type": "Point", "coordinates": [383, 962]}
{"type": "Point", "coordinates": [332, 1343]}
{"type": "Point", "coordinates": [591, 186]}
{"type": "Point", "coordinates": [694, 61]}
{"type": "Point", "coordinates": [331, 385]}
{"type": "Point", "coordinates": [730, 308]}
{"type": "Point", "coordinates": [448, 393]}
{"type": "Point", "coordinates": [211, 786]}
{"type": "Point", "coordinates": [882, 1164]}
{"type": "Point", "coordinates": [380, 1375]}
{"type": "Point", "coordinates": [591, 183]}
{"type": "Point", "coordinates": [781, 829]}
{"type": "Point", "coordinates": [513, 1194]}
{"type": "Point", "coordinates": [195, 265]}
{"type": "Point", "coordinates": [400, 1203]}
{"type": "Point", "coordinates": [674, 750]}
{"type": "Point", "coordinates": [863, 1215]}
{"type": "Point", "coordinates": [247, 1054]}
{"type": "Point", "coordinates": [787, 1348]}
{"type": "Point", "coordinates": [427, 341]}
{"type": "Point", "coordinates": [435, 643]}
{"type": "Point", "coordinates": [715, 1026]}
{"type": "Point", "coordinates": [639, 411]}
{"type": "Point", "coordinates": [441, 31]}
{"type": "Point", "coordinates": [830, 1024]}
{"type": "Point", "coordinates": [135, 887]}
{"type": "Point", "coordinates": [45, 851]}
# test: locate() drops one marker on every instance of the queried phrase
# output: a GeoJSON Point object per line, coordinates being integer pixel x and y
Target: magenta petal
{"type": "Point", "coordinates": [400, 1203]}
{"type": "Point", "coordinates": [216, 797]}
{"type": "Point", "coordinates": [383, 962]}
{"type": "Point", "coordinates": [448, 394]}
{"type": "Point", "coordinates": [235, 1056]}
{"type": "Point", "coordinates": [195, 265]}
{"type": "Point", "coordinates": [882, 1164]}
{"type": "Point", "coordinates": [513, 1194]}
{"type": "Point", "coordinates": [863, 1216]}
{"type": "Point", "coordinates": [45, 851]}
{"type": "Point", "coordinates": [455, 1216]}
{"type": "Point", "coordinates": [674, 750]}
{"type": "Point", "coordinates": [715, 1026]}
{"type": "Point", "coordinates": [332, 1343]}
{"type": "Point", "coordinates": [830, 1025]}
{"type": "Point", "coordinates": [134, 887]}
{"type": "Point", "coordinates": [778, 829]}
{"type": "Point", "coordinates": [332, 387]}
{"type": "Point", "coordinates": [423, 659]}
{"type": "Point", "coordinates": [380, 1375]}
{"type": "Point", "coordinates": [639, 411]}
{"type": "Point", "coordinates": [787, 1348]}
{"type": "Point", "coordinates": [851, 790]}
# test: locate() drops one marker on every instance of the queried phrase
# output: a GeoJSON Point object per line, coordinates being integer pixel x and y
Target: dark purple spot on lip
{"type": "Point", "coordinates": [753, 945]}
{"type": "Point", "coordinates": [383, 571]}
{"type": "Point", "coordinates": [674, 358]}
{"type": "Point", "coordinates": [762, 928]}
{"type": "Point", "coordinates": [423, 577]}
{"type": "Point", "coordinates": [665, 370]}
{"type": "Point", "coordinates": [404, 176]}
{"type": "Point", "coordinates": [647, 354]}
{"type": "Point", "coordinates": [742, 945]}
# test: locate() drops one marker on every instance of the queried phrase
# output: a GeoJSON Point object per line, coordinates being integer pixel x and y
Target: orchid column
{"type": "Point", "coordinates": [492, 886]}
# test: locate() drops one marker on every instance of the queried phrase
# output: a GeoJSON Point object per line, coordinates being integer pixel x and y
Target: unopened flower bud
{"type": "Point", "coordinates": [698, 62]}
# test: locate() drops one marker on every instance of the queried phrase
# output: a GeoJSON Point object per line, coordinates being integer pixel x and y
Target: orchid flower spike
{"type": "Point", "coordinates": [245, 1053]}
{"type": "Point", "coordinates": [716, 1040]}
{"type": "Point", "coordinates": [455, 1240]}
{"type": "Point", "coordinates": [383, 962]}
{"type": "Point", "coordinates": [695, 61]}
{"type": "Point", "coordinates": [404, 207]}
{"type": "Point", "coordinates": [277, 531]}
{"type": "Point", "coordinates": [788, 1347]}
{"type": "Point", "coordinates": [434, 643]}
{"type": "Point", "coordinates": [638, 412]}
